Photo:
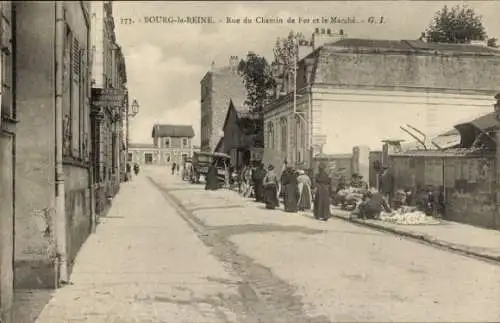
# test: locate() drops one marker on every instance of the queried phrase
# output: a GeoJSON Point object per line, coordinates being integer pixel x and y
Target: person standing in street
{"type": "Point", "coordinates": [173, 168]}
{"type": "Point", "coordinates": [136, 169]}
{"type": "Point", "coordinates": [305, 197]}
{"type": "Point", "coordinates": [323, 186]}
{"type": "Point", "coordinates": [290, 189]}
{"type": "Point", "coordinates": [270, 189]}
{"type": "Point", "coordinates": [129, 172]}
{"type": "Point", "coordinates": [212, 180]}
{"type": "Point", "coordinates": [258, 179]}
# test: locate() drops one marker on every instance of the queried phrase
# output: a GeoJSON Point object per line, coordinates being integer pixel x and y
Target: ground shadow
{"type": "Point", "coordinates": [29, 303]}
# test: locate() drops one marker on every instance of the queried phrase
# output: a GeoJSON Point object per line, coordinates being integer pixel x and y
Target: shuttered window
{"type": "Point", "coordinates": [75, 98]}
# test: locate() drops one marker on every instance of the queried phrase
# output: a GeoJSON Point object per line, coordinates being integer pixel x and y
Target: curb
{"type": "Point", "coordinates": [422, 238]}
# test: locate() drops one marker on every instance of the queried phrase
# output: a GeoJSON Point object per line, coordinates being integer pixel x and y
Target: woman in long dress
{"type": "Point", "coordinates": [270, 183]}
{"type": "Point", "coordinates": [305, 197]}
{"type": "Point", "coordinates": [323, 186]}
{"type": "Point", "coordinates": [212, 180]}
{"type": "Point", "coordinates": [290, 189]}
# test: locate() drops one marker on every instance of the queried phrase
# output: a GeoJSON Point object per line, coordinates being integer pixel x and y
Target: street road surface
{"type": "Point", "coordinates": [171, 252]}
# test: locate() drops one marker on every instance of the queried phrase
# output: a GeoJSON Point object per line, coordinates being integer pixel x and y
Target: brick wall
{"type": "Point", "coordinates": [469, 184]}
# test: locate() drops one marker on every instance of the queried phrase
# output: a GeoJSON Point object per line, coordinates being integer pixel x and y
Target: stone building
{"type": "Point", "coordinates": [52, 166]}
{"type": "Point", "coordinates": [218, 86]}
{"type": "Point", "coordinates": [107, 121]}
{"type": "Point", "coordinates": [7, 153]}
{"type": "Point", "coordinates": [361, 91]}
{"type": "Point", "coordinates": [171, 144]}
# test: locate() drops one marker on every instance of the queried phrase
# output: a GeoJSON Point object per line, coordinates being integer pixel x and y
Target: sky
{"type": "Point", "coordinates": [166, 61]}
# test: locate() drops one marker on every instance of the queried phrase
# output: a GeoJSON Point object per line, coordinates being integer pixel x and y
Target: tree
{"type": "Point", "coordinates": [258, 80]}
{"type": "Point", "coordinates": [459, 24]}
{"type": "Point", "coordinates": [285, 51]}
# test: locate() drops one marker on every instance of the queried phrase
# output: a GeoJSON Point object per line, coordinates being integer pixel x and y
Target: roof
{"type": "Point", "coordinates": [216, 154]}
{"type": "Point", "coordinates": [241, 113]}
{"type": "Point", "coordinates": [453, 152]}
{"type": "Point", "coordinates": [486, 122]}
{"type": "Point", "coordinates": [169, 130]}
{"type": "Point", "coordinates": [416, 46]}
{"type": "Point", "coordinates": [140, 145]}
{"type": "Point", "coordinates": [333, 156]}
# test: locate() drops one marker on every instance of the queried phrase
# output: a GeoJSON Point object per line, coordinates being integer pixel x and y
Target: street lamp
{"type": "Point", "coordinates": [135, 108]}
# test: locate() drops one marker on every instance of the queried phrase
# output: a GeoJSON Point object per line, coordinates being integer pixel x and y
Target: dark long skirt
{"type": "Point", "coordinates": [305, 199]}
{"type": "Point", "coordinates": [259, 191]}
{"type": "Point", "coordinates": [291, 196]}
{"type": "Point", "coordinates": [270, 197]}
{"type": "Point", "coordinates": [211, 181]}
{"type": "Point", "coordinates": [322, 203]}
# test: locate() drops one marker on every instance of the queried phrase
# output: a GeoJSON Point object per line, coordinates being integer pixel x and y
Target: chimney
{"type": "Point", "coordinates": [212, 66]}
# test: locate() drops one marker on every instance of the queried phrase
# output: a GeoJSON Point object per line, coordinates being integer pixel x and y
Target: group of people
{"type": "Point", "coordinates": [129, 167]}
{"type": "Point", "coordinates": [300, 190]}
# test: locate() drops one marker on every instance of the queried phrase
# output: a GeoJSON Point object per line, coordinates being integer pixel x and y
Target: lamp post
{"type": "Point", "coordinates": [135, 110]}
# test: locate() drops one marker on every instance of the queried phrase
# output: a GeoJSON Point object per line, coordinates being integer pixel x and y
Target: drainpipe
{"type": "Point", "coordinates": [311, 150]}
{"type": "Point", "coordinates": [59, 180]}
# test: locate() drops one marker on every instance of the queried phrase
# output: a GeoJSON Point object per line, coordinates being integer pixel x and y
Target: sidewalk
{"type": "Point", "coordinates": [467, 239]}
{"type": "Point", "coordinates": [143, 264]}
{"type": "Point", "coordinates": [463, 238]}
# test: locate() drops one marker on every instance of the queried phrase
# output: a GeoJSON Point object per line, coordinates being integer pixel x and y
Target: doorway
{"type": "Point", "coordinates": [148, 158]}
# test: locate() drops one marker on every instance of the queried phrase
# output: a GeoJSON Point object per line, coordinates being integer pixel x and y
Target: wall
{"type": "Point", "coordinates": [297, 137]}
{"type": "Point", "coordinates": [206, 112]}
{"type": "Point", "coordinates": [392, 71]}
{"type": "Point", "coordinates": [361, 117]}
{"type": "Point", "coordinates": [77, 204]}
{"type": "Point", "coordinates": [225, 86]}
{"type": "Point", "coordinates": [373, 174]}
{"type": "Point", "coordinates": [7, 171]}
{"type": "Point", "coordinates": [97, 16]}
{"type": "Point", "coordinates": [469, 184]}
{"type": "Point", "coordinates": [35, 168]}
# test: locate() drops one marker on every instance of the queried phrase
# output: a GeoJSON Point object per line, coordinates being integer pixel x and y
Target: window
{"type": "Point", "coordinates": [284, 135]}
{"type": "Point", "coordinates": [166, 143]}
{"type": "Point", "coordinates": [270, 135]}
{"type": "Point", "coordinates": [184, 142]}
{"type": "Point", "coordinates": [129, 157]}
{"type": "Point", "coordinates": [6, 72]}
{"type": "Point", "coordinates": [75, 98]}
{"type": "Point", "coordinates": [148, 158]}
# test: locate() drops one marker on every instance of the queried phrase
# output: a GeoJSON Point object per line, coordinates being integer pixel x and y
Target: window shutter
{"type": "Point", "coordinates": [84, 115]}
{"type": "Point", "coordinates": [75, 97]}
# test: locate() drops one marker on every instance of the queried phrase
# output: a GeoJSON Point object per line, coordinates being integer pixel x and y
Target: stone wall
{"type": "Point", "coordinates": [35, 165]}
{"type": "Point", "coordinates": [77, 204]}
{"type": "Point", "coordinates": [469, 184]}
{"type": "Point", "coordinates": [225, 85]}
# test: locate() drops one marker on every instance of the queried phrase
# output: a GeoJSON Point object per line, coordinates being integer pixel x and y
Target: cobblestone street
{"type": "Point", "coordinates": [169, 251]}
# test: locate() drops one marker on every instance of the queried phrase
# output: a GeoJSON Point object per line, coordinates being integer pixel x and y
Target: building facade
{"type": "Point", "coordinates": [52, 165]}
{"type": "Point", "coordinates": [218, 86]}
{"type": "Point", "coordinates": [108, 72]}
{"type": "Point", "coordinates": [360, 92]}
{"type": "Point", "coordinates": [7, 153]}
{"type": "Point", "coordinates": [171, 144]}
{"type": "Point", "coordinates": [243, 136]}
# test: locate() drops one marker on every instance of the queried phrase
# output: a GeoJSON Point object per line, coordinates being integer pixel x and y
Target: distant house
{"type": "Point", "coordinates": [141, 154]}
{"type": "Point", "coordinates": [171, 143]}
{"type": "Point", "coordinates": [243, 135]}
